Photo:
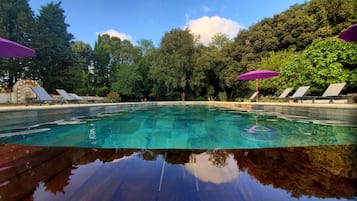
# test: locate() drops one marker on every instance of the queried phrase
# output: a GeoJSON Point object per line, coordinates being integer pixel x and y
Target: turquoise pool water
{"type": "Point", "coordinates": [183, 127]}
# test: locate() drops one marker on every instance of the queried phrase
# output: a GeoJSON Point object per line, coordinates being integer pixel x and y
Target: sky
{"type": "Point", "coordinates": [150, 19]}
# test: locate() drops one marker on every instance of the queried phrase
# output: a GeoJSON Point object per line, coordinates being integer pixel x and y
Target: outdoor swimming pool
{"type": "Point", "coordinates": [177, 152]}
{"type": "Point", "coordinates": [182, 127]}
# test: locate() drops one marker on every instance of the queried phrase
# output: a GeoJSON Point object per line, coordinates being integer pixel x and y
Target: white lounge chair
{"type": "Point", "coordinates": [42, 95]}
{"type": "Point", "coordinates": [332, 92]}
{"type": "Point", "coordinates": [285, 93]}
{"type": "Point", "coordinates": [66, 96]}
{"type": "Point", "coordinates": [299, 93]}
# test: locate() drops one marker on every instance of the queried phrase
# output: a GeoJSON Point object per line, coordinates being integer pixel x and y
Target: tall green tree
{"type": "Point", "coordinates": [127, 81]}
{"type": "Point", "coordinates": [174, 64]}
{"type": "Point", "coordinates": [16, 24]}
{"type": "Point", "coordinates": [103, 60]}
{"type": "Point", "coordinates": [54, 56]}
{"type": "Point", "coordinates": [145, 85]}
{"type": "Point", "coordinates": [83, 61]}
{"type": "Point", "coordinates": [126, 76]}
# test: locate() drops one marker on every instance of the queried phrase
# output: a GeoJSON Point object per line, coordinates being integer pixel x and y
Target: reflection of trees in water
{"type": "Point", "coordinates": [218, 157]}
{"type": "Point", "coordinates": [147, 155]}
{"type": "Point", "coordinates": [326, 171]}
{"type": "Point", "coordinates": [304, 134]}
{"type": "Point", "coordinates": [58, 183]}
{"type": "Point", "coordinates": [304, 171]}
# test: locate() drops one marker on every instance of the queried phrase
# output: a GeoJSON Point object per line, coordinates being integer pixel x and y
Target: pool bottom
{"type": "Point", "coordinates": [64, 173]}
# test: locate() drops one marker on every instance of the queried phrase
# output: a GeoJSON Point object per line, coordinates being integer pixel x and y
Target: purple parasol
{"type": "Point", "coordinates": [10, 49]}
{"type": "Point", "coordinates": [350, 34]}
{"type": "Point", "coordinates": [255, 75]}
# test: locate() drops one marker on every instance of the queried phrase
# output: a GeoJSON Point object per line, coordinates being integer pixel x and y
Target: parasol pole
{"type": "Point", "coordinates": [256, 90]}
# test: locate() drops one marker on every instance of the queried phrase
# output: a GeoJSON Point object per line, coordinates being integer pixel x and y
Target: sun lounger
{"type": "Point", "coordinates": [66, 96]}
{"type": "Point", "coordinates": [88, 99]}
{"type": "Point", "coordinates": [75, 96]}
{"type": "Point", "coordinates": [253, 97]}
{"type": "Point", "coordinates": [331, 93]}
{"type": "Point", "coordinates": [299, 93]}
{"type": "Point", "coordinates": [285, 93]}
{"type": "Point", "coordinates": [42, 95]}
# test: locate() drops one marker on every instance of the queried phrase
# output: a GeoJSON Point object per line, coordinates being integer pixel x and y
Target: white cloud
{"type": "Point", "coordinates": [204, 170]}
{"type": "Point", "coordinates": [206, 8]}
{"type": "Point", "coordinates": [114, 33]}
{"type": "Point", "coordinates": [206, 27]}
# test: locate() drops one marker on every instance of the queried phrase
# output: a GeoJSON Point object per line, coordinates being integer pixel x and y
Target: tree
{"type": "Point", "coordinates": [219, 40]}
{"type": "Point", "coordinates": [126, 76]}
{"type": "Point", "coordinates": [173, 65]}
{"type": "Point", "coordinates": [54, 59]}
{"type": "Point", "coordinates": [127, 81]}
{"type": "Point", "coordinates": [329, 61]}
{"type": "Point", "coordinates": [17, 24]}
{"type": "Point", "coordinates": [83, 61]}
{"type": "Point", "coordinates": [274, 62]}
{"type": "Point", "coordinates": [145, 85]}
{"type": "Point", "coordinates": [103, 60]}
{"type": "Point", "coordinates": [323, 63]}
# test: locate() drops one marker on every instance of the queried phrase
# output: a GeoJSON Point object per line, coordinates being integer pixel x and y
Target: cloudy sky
{"type": "Point", "coordinates": [151, 19]}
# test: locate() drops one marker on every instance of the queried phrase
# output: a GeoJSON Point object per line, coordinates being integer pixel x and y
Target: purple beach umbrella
{"type": "Point", "coordinates": [350, 34]}
{"type": "Point", "coordinates": [256, 75]}
{"type": "Point", "coordinates": [10, 49]}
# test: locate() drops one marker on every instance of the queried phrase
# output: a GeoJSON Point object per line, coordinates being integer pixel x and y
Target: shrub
{"type": "Point", "coordinates": [222, 96]}
{"type": "Point", "coordinates": [114, 96]}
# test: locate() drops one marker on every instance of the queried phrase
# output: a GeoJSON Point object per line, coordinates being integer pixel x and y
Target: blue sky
{"type": "Point", "coordinates": [151, 19]}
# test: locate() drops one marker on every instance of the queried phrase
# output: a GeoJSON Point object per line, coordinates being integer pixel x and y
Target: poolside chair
{"type": "Point", "coordinates": [299, 93]}
{"type": "Point", "coordinates": [254, 96]}
{"type": "Point", "coordinates": [66, 96]}
{"type": "Point", "coordinates": [75, 96]}
{"type": "Point", "coordinates": [87, 99]}
{"type": "Point", "coordinates": [42, 95]}
{"type": "Point", "coordinates": [285, 93]}
{"type": "Point", "coordinates": [332, 92]}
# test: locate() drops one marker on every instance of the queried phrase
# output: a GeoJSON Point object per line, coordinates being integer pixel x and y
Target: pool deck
{"type": "Point", "coordinates": [245, 105]}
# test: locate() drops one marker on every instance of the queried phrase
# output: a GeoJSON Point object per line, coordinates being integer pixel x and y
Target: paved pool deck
{"type": "Point", "coordinates": [245, 105]}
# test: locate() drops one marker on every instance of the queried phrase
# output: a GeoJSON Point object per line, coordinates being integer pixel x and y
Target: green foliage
{"type": "Point", "coordinates": [329, 61]}
{"type": "Point", "coordinates": [17, 24]}
{"type": "Point", "coordinates": [174, 62]}
{"type": "Point", "coordinates": [102, 91]}
{"type": "Point", "coordinates": [323, 63]}
{"type": "Point", "coordinates": [54, 58]}
{"type": "Point", "coordinates": [274, 62]}
{"type": "Point", "coordinates": [114, 97]}
{"type": "Point", "coordinates": [222, 96]}
{"type": "Point", "coordinates": [300, 43]}
{"type": "Point", "coordinates": [290, 73]}
{"type": "Point", "coordinates": [126, 81]}
{"type": "Point", "coordinates": [219, 41]}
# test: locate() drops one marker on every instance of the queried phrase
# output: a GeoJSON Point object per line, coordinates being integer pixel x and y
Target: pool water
{"type": "Point", "coordinates": [176, 152]}
{"type": "Point", "coordinates": [183, 127]}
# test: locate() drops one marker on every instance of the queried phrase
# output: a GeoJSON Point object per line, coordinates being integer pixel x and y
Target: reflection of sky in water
{"type": "Point", "coordinates": [206, 171]}
{"type": "Point", "coordinates": [203, 175]}
{"type": "Point", "coordinates": [183, 127]}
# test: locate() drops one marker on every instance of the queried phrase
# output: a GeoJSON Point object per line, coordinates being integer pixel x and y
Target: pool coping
{"type": "Point", "coordinates": [245, 105]}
